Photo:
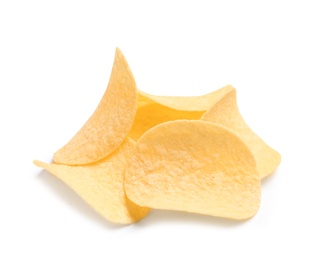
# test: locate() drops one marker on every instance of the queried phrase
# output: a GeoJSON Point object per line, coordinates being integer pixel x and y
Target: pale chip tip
{"type": "Point", "coordinates": [38, 163]}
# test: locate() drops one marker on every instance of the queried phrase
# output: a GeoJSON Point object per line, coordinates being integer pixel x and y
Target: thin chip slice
{"type": "Point", "coordinates": [154, 114]}
{"type": "Point", "coordinates": [109, 124]}
{"type": "Point", "coordinates": [194, 166]}
{"type": "Point", "coordinates": [101, 184]}
{"type": "Point", "coordinates": [154, 110]}
{"type": "Point", "coordinates": [186, 103]}
{"type": "Point", "coordinates": [226, 113]}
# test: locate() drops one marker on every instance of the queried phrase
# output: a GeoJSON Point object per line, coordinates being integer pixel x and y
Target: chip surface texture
{"type": "Point", "coordinates": [194, 166]}
{"type": "Point", "coordinates": [226, 113]}
{"type": "Point", "coordinates": [100, 184]}
{"type": "Point", "coordinates": [154, 110]}
{"type": "Point", "coordinates": [111, 122]}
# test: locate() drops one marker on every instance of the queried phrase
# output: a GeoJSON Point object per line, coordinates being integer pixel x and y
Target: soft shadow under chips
{"type": "Point", "coordinates": [100, 184]}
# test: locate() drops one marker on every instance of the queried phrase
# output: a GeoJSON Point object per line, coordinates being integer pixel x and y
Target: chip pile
{"type": "Point", "coordinates": [139, 152]}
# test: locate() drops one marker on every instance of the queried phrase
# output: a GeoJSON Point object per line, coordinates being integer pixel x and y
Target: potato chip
{"type": "Point", "coordinates": [185, 103]}
{"type": "Point", "coordinates": [109, 124]}
{"type": "Point", "coordinates": [226, 113]}
{"type": "Point", "coordinates": [154, 110]}
{"type": "Point", "coordinates": [194, 166]}
{"type": "Point", "coordinates": [100, 184]}
{"type": "Point", "coordinates": [154, 114]}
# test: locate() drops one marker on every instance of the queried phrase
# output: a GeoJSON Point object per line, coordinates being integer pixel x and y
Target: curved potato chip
{"type": "Point", "coordinates": [154, 110]}
{"type": "Point", "coordinates": [100, 184]}
{"type": "Point", "coordinates": [194, 166]}
{"type": "Point", "coordinates": [154, 114]}
{"type": "Point", "coordinates": [226, 113]}
{"type": "Point", "coordinates": [186, 103]}
{"type": "Point", "coordinates": [109, 124]}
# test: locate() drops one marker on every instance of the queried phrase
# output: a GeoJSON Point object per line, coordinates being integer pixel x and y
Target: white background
{"type": "Point", "coordinates": [55, 62]}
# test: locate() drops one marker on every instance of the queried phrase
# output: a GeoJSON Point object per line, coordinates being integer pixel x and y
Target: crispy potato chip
{"type": "Point", "coordinates": [194, 166]}
{"type": "Point", "coordinates": [226, 113]}
{"type": "Point", "coordinates": [154, 110]}
{"type": "Point", "coordinates": [154, 114]}
{"type": "Point", "coordinates": [100, 184]}
{"type": "Point", "coordinates": [186, 103]}
{"type": "Point", "coordinates": [109, 124]}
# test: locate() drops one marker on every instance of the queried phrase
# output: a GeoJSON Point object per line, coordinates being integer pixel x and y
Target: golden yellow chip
{"type": "Point", "coordinates": [109, 124]}
{"type": "Point", "coordinates": [154, 110]}
{"type": "Point", "coordinates": [194, 166]}
{"type": "Point", "coordinates": [186, 103]}
{"type": "Point", "coordinates": [226, 113]}
{"type": "Point", "coordinates": [193, 154]}
{"type": "Point", "coordinates": [100, 184]}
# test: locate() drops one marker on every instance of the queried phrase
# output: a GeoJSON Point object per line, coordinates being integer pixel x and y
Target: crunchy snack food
{"type": "Point", "coordinates": [194, 166]}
